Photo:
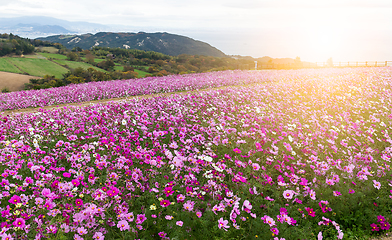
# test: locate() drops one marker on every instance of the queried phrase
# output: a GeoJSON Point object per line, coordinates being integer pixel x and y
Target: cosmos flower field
{"type": "Point", "coordinates": [296, 154]}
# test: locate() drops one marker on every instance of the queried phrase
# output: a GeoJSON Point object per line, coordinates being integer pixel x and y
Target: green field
{"type": "Point", "coordinates": [97, 60]}
{"type": "Point", "coordinates": [73, 65]}
{"type": "Point", "coordinates": [39, 67]}
{"type": "Point", "coordinates": [6, 66]}
{"type": "Point", "coordinates": [118, 68]}
{"type": "Point", "coordinates": [48, 49]}
{"type": "Point", "coordinates": [141, 74]}
{"type": "Point", "coordinates": [53, 55]}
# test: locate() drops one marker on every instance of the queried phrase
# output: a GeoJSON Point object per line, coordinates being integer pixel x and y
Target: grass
{"type": "Point", "coordinates": [49, 49]}
{"type": "Point", "coordinates": [53, 55]}
{"type": "Point", "coordinates": [97, 60]}
{"type": "Point", "coordinates": [118, 68]}
{"type": "Point", "coordinates": [39, 67]}
{"type": "Point", "coordinates": [73, 65]}
{"type": "Point", "coordinates": [141, 74]}
{"type": "Point", "coordinates": [6, 66]}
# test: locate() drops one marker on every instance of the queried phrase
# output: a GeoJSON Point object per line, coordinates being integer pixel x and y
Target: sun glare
{"type": "Point", "coordinates": [323, 42]}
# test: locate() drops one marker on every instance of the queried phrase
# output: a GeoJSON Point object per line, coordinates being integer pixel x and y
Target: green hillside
{"type": "Point", "coordinates": [53, 55]}
{"type": "Point", "coordinates": [73, 65]}
{"type": "Point", "coordinates": [6, 66]}
{"type": "Point", "coordinates": [38, 67]}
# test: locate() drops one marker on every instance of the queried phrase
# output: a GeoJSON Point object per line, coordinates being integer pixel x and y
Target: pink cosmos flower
{"type": "Point", "coordinates": [288, 194]}
{"type": "Point", "coordinates": [180, 198]}
{"type": "Point", "coordinates": [6, 236]}
{"type": "Point", "coordinates": [140, 218]}
{"type": "Point", "coordinates": [351, 191]}
{"type": "Point", "coordinates": [330, 182]}
{"type": "Point", "coordinates": [198, 214]}
{"type": "Point", "coordinates": [274, 231]}
{"type": "Point", "coordinates": [336, 193]}
{"type": "Point", "coordinates": [189, 205]}
{"type": "Point", "coordinates": [162, 234]}
{"type": "Point", "coordinates": [255, 166]}
{"type": "Point", "coordinates": [98, 236]}
{"type": "Point", "coordinates": [78, 237]}
{"type": "Point", "coordinates": [320, 236]}
{"type": "Point", "coordinates": [123, 225]}
{"type": "Point", "coordinates": [376, 184]}
{"type": "Point", "coordinates": [129, 217]}
{"type": "Point", "coordinates": [179, 223]}
{"type": "Point", "coordinates": [223, 223]}
{"type": "Point", "coordinates": [237, 150]}
{"type": "Point", "coordinates": [82, 231]}
{"type": "Point", "coordinates": [247, 206]}
{"type": "Point", "coordinates": [168, 217]}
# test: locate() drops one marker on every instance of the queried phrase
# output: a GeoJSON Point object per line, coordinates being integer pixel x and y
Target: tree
{"type": "Point", "coordinates": [108, 65]}
{"type": "Point", "coordinates": [72, 56]}
{"type": "Point", "coordinates": [90, 58]}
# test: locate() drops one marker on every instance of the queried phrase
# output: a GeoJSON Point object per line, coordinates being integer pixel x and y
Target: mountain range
{"type": "Point", "coordinates": [38, 26]}
{"type": "Point", "coordinates": [167, 43]}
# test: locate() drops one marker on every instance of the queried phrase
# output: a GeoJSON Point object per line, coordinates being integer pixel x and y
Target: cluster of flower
{"type": "Point", "coordinates": [224, 159]}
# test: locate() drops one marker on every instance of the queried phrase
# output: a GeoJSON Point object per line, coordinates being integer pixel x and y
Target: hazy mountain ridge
{"type": "Point", "coordinates": [35, 26]}
{"type": "Point", "coordinates": [167, 43]}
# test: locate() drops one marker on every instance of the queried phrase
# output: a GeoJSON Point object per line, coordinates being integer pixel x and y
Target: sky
{"type": "Point", "coordinates": [314, 30]}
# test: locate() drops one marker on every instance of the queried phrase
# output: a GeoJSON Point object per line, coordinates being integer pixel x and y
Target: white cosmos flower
{"type": "Point", "coordinates": [208, 158]}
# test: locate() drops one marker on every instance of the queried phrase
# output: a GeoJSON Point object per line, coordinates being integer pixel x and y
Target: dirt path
{"type": "Point", "coordinates": [81, 104]}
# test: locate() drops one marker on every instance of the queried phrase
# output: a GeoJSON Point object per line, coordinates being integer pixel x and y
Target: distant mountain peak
{"type": "Point", "coordinates": [163, 42]}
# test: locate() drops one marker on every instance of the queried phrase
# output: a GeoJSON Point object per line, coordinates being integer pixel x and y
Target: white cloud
{"type": "Point", "coordinates": [273, 27]}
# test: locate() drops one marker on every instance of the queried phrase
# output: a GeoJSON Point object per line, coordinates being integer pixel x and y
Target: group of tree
{"type": "Point", "coordinates": [161, 64]}
{"type": "Point", "coordinates": [78, 75]}
{"type": "Point", "coordinates": [12, 44]}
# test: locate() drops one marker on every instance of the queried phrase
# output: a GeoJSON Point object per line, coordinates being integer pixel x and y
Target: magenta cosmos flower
{"type": "Point", "coordinates": [274, 231]}
{"type": "Point", "coordinates": [310, 212]}
{"type": "Point", "coordinates": [385, 225]}
{"type": "Point", "coordinates": [78, 202]}
{"type": "Point", "coordinates": [164, 203]}
{"type": "Point", "coordinates": [223, 224]}
{"type": "Point", "coordinates": [14, 199]}
{"type": "Point", "coordinates": [374, 227]}
{"type": "Point", "coordinates": [19, 222]}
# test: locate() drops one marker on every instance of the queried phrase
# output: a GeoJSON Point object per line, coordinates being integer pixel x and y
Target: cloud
{"type": "Point", "coordinates": [307, 4]}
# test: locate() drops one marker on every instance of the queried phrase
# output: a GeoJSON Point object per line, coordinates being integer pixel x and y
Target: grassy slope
{"type": "Point", "coordinates": [74, 65]}
{"type": "Point", "coordinates": [6, 66]}
{"type": "Point", "coordinates": [48, 49]}
{"type": "Point", "coordinates": [141, 74]}
{"type": "Point", "coordinates": [39, 67]}
{"type": "Point", "coordinates": [53, 55]}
